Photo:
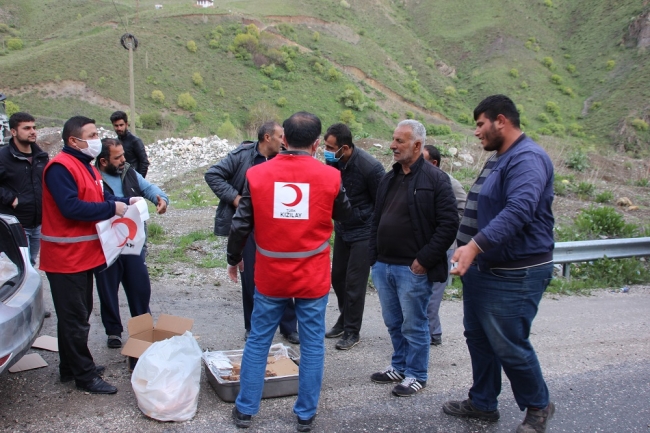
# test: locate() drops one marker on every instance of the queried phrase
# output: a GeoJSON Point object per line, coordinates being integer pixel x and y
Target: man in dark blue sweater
{"type": "Point", "coordinates": [505, 258]}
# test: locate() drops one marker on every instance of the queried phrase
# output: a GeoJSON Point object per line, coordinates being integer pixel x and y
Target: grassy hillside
{"type": "Point", "coordinates": [564, 62]}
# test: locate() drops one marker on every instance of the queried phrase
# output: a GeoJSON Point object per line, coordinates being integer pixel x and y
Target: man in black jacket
{"type": "Point", "coordinates": [360, 175]}
{"type": "Point", "coordinates": [414, 223]}
{"type": "Point", "coordinates": [21, 179]}
{"type": "Point", "coordinates": [226, 179]}
{"type": "Point", "coordinates": [134, 151]}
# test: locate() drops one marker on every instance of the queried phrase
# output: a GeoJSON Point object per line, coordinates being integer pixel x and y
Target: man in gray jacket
{"type": "Point", "coordinates": [226, 179]}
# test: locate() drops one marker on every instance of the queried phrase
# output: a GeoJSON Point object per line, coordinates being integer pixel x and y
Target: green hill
{"type": "Point", "coordinates": [576, 68]}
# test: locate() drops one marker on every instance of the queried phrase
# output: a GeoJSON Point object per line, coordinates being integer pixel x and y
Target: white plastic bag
{"type": "Point", "coordinates": [167, 377]}
{"type": "Point", "coordinates": [8, 269]}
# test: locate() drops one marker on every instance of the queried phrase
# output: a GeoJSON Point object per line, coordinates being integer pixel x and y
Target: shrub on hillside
{"type": "Point", "coordinates": [315, 36]}
{"type": "Point", "coordinates": [352, 98]}
{"type": "Point", "coordinates": [158, 96]}
{"type": "Point", "coordinates": [610, 65]}
{"type": "Point", "coordinates": [450, 91]}
{"type": "Point", "coordinates": [604, 221]}
{"type": "Point", "coordinates": [571, 68]}
{"type": "Point", "coordinates": [556, 79]}
{"type": "Point", "coordinates": [604, 197]}
{"type": "Point", "coordinates": [11, 108]}
{"type": "Point", "coordinates": [191, 46]}
{"type": "Point", "coordinates": [438, 129]}
{"type": "Point", "coordinates": [227, 130]}
{"type": "Point", "coordinates": [548, 62]}
{"type": "Point", "coordinates": [568, 91]}
{"type": "Point", "coordinates": [281, 102]}
{"type": "Point", "coordinates": [186, 102]}
{"type": "Point", "coordinates": [276, 85]}
{"type": "Point", "coordinates": [197, 79]}
{"type": "Point", "coordinates": [553, 108]}
{"type": "Point", "coordinates": [15, 44]}
{"type": "Point", "coordinates": [639, 124]}
{"type": "Point", "coordinates": [514, 73]}
{"type": "Point", "coordinates": [333, 74]}
{"type": "Point", "coordinates": [577, 160]}
{"type": "Point", "coordinates": [83, 75]}
{"type": "Point", "coordinates": [542, 117]}
{"type": "Point", "coordinates": [151, 120]}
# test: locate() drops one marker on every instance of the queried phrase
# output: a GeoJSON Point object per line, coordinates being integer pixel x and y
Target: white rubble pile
{"type": "Point", "coordinates": [173, 157]}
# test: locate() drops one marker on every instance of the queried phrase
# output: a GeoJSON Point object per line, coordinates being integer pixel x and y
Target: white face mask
{"type": "Point", "coordinates": [94, 147]}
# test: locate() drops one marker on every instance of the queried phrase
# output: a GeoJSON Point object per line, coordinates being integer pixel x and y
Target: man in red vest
{"type": "Point", "coordinates": [73, 202]}
{"type": "Point", "coordinates": [291, 201]}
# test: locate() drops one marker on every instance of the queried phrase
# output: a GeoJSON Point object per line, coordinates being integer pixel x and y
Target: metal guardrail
{"type": "Point", "coordinates": [566, 253]}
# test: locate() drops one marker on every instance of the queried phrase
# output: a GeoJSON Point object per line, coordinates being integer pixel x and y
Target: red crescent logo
{"type": "Point", "coordinates": [298, 195]}
{"type": "Point", "coordinates": [130, 224]}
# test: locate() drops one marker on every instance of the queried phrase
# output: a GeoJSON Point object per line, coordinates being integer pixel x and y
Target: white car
{"type": "Point", "coordinates": [21, 294]}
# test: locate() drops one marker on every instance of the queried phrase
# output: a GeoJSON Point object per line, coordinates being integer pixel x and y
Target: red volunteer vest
{"type": "Point", "coordinates": [293, 199]}
{"type": "Point", "coordinates": [70, 246]}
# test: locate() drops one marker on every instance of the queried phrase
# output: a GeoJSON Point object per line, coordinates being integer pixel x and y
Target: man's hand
{"type": "Point", "coordinates": [15, 203]}
{"type": "Point", "coordinates": [236, 200]}
{"type": "Point", "coordinates": [417, 268]}
{"type": "Point", "coordinates": [120, 208]}
{"type": "Point", "coordinates": [232, 271]}
{"type": "Point", "coordinates": [161, 207]}
{"type": "Point", "coordinates": [134, 200]}
{"type": "Point", "coordinates": [463, 257]}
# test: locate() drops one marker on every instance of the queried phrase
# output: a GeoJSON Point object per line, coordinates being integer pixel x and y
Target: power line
{"type": "Point", "coordinates": [120, 17]}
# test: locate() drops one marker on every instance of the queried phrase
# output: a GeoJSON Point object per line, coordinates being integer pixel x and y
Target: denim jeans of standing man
{"type": "Point", "coordinates": [499, 308]}
{"type": "Point", "coordinates": [267, 312]}
{"type": "Point", "coordinates": [433, 309]}
{"type": "Point", "coordinates": [404, 297]}
{"type": "Point", "coordinates": [34, 242]}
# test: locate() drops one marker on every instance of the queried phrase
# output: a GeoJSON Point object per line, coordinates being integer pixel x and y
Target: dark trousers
{"type": "Point", "coordinates": [350, 270]}
{"type": "Point", "coordinates": [73, 302]}
{"type": "Point", "coordinates": [134, 276]}
{"type": "Point", "coordinates": [288, 323]}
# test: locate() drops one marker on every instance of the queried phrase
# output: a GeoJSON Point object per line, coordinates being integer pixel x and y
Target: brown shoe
{"type": "Point", "coordinates": [536, 419]}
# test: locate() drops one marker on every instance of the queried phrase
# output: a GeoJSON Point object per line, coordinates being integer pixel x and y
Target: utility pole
{"type": "Point", "coordinates": [131, 43]}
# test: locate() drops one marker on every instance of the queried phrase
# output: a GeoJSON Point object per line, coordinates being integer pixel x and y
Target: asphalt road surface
{"type": "Point", "coordinates": [594, 351]}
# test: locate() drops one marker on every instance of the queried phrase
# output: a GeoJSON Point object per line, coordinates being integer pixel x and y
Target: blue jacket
{"type": "Point", "coordinates": [515, 219]}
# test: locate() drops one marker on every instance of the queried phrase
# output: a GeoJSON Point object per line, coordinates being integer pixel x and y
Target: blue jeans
{"type": "Point", "coordinates": [267, 312]}
{"type": "Point", "coordinates": [34, 242]}
{"type": "Point", "coordinates": [404, 297]}
{"type": "Point", "coordinates": [499, 307]}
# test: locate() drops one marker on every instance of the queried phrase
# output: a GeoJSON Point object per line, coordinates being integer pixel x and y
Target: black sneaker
{"type": "Point", "coordinates": [241, 420]}
{"type": "Point", "coordinates": [96, 386]}
{"type": "Point", "coordinates": [334, 333]}
{"type": "Point", "coordinates": [305, 424]}
{"type": "Point", "coordinates": [114, 342]}
{"type": "Point", "coordinates": [436, 340]}
{"type": "Point", "coordinates": [409, 387]}
{"type": "Point", "coordinates": [390, 375]}
{"type": "Point", "coordinates": [536, 419]}
{"type": "Point", "coordinates": [349, 340]}
{"type": "Point", "coordinates": [465, 409]}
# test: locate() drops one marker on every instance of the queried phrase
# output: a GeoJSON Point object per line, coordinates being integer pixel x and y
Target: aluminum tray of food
{"type": "Point", "coordinates": [223, 367]}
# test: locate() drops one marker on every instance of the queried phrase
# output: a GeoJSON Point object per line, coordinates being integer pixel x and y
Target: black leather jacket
{"type": "Point", "coordinates": [360, 177]}
{"type": "Point", "coordinates": [432, 207]}
{"type": "Point", "coordinates": [134, 153]}
{"type": "Point", "coordinates": [19, 178]}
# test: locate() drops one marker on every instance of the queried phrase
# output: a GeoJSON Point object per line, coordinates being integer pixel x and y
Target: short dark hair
{"type": "Point", "coordinates": [73, 127]}
{"type": "Point", "coordinates": [18, 118]}
{"type": "Point", "coordinates": [494, 105]}
{"type": "Point", "coordinates": [341, 133]}
{"type": "Point", "coordinates": [433, 152]}
{"type": "Point", "coordinates": [266, 128]}
{"type": "Point", "coordinates": [119, 115]}
{"type": "Point", "coordinates": [106, 149]}
{"type": "Point", "coordinates": [302, 129]}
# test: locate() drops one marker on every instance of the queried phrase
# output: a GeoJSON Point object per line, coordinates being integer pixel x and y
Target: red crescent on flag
{"type": "Point", "coordinates": [298, 195]}
{"type": "Point", "coordinates": [130, 224]}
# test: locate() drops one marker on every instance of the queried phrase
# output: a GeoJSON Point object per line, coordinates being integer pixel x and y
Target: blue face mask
{"type": "Point", "coordinates": [331, 156]}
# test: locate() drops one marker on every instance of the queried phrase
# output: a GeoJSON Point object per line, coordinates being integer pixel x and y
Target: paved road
{"type": "Point", "coordinates": [595, 353]}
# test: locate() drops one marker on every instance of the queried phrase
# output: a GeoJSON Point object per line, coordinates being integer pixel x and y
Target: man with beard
{"type": "Point", "coordinates": [21, 177]}
{"type": "Point", "coordinates": [413, 225]}
{"type": "Point", "coordinates": [505, 258]}
{"type": "Point", "coordinates": [121, 180]}
{"type": "Point", "coordinates": [134, 151]}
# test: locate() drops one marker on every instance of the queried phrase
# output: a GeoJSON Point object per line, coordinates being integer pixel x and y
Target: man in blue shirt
{"type": "Point", "coordinates": [505, 258]}
{"type": "Point", "coordinates": [121, 180]}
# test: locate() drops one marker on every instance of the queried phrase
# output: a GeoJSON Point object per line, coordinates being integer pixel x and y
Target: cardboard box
{"type": "Point", "coordinates": [143, 333]}
{"type": "Point", "coordinates": [284, 383]}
